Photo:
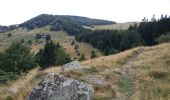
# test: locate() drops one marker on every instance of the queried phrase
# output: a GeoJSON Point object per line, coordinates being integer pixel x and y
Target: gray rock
{"type": "Point", "coordinates": [72, 65]}
{"type": "Point", "coordinates": [55, 87]}
{"type": "Point", "coordinates": [94, 80]}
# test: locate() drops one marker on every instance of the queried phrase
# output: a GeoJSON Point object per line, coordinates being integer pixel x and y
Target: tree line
{"type": "Point", "coordinates": [147, 33]}
{"type": "Point", "coordinates": [153, 29]}
{"type": "Point", "coordinates": [110, 41]}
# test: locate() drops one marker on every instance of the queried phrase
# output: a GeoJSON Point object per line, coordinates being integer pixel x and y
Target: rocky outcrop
{"type": "Point", "coordinates": [56, 87]}
{"type": "Point", "coordinates": [72, 65]}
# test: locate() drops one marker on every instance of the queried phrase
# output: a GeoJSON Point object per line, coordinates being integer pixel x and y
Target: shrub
{"type": "Point", "coordinates": [93, 54]}
{"type": "Point", "coordinates": [82, 57]}
{"type": "Point", "coordinates": [22, 41]}
{"type": "Point", "coordinates": [52, 55]}
{"type": "Point", "coordinates": [29, 42]}
{"type": "Point", "coordinates": [73, 42]}
{"type": "Point", "coordinates": [4, 76]}
{"type": "Point", "coordinates": [163, 38]}
{"type": "Point", "coordinates": [76, 47]}
{"type": "Point", "coordinates": [9, 35]}
{"type": "Point", "coordinates": [17, 58]}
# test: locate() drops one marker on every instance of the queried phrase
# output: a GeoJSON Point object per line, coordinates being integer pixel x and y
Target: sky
{"type": "Point", "coordinates": [18, 11]}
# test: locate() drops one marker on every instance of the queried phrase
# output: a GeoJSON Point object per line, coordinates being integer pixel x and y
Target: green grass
{"type": "Point", "coordinates": [126, 84]}
{"type": "Point", "coordinates": [122, 61]}
{"type": "Point", "coordinates": [90, 70]}
{"type": "Point", "coordinates": [5, 77]}
{"type": "Point", "coordinates": [158, 74]}
{"type": "Point", "coordinates": [38, 77]}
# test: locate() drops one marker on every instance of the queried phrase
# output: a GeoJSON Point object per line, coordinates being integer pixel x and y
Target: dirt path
{"type": "Point", "coordinates": [126, 73]}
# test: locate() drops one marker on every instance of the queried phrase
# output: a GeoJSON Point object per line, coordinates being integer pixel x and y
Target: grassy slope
{"type": "Point", "coordinates": [118, 26]}
{"type": "Point", "coordinates": [61, 37]}
{"type": "Point", "coordinates": [142, 73]}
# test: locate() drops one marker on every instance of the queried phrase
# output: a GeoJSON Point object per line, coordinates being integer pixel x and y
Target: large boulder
{"type": "Point", "coordinates": [56, 87]}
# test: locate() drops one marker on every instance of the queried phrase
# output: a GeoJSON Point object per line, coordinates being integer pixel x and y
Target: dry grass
{"type": "Point", "coordinates": [109, 61]}
{"type": "Point", "coordinates": [153, 73]}
{"type": "Point", "coordinates": [17, 90]}
{"type": "Point", "coordinates": [118, 26]}
{"type": "Point", "coordinates": [20, 88]}
{"type": "Point", "coordinates": [62, 37]}
{"type": "Point", "coordinates": [150, 80]}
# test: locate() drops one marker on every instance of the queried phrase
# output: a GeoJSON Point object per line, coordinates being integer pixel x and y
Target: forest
{"type": "Point", "coordinates": [147, 33]}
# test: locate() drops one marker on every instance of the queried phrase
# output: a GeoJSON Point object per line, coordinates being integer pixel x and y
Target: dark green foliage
{"type": "Point", "coordinates": [47, 55]}
{"type": "Point", "coordinates": [111, 42]}
{"type": "Point", "coordinates": [56, 27]}
{"type": "Point", "coordinates": [44, 20]}
{"type": "Point", "coordinates": [71, 24]}
{"type": "Point", "coordinates": [163, 38]}
{"type": "Point", "coordinates": [133, 27]}
{"type": "Point", "coordinates": [87, 21]}
{"type": "Point", "coordinates": [82, 57]}
{"type": "Point", "coordinates": [4, 76]}
{"type": "Point", "coordinates": [17, 58]}
{"type": "Point", "coordinates": [29, 42]}
{"type": "Point", "coordinates": [4, 29]}
{"type": "Point", "coordinates": [12, 27]}
{"type": "Point", "coordinates": [52, 55]}
{"type": "Point", "coordinates": [62, 57]}
{"type": "Point", "coordinates": [39, 21]}
{"type": "Point", "coordinates": [76, 47]}
{"type": "Point", "coordinates": [73, 42]}
{"type": "Point", "coordinates": [93, 54]}
{"type": "Point", "coordinates": [150, 30]}
{"type": "Point", "coordinates": [22, 41]}
{"type": "Point", "coordinates": [110, 51]}
{"type": "Point", "coordinates": [9, 35]}
{"type": "Point", "coordinates": [130, 39]}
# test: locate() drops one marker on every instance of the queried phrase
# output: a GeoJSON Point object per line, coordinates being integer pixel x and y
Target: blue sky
{"type": "Point", "coordinates": [18, 11]}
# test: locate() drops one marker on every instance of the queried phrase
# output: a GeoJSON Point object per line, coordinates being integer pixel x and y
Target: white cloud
{"type": "Point", "coordinates": [17, 11]}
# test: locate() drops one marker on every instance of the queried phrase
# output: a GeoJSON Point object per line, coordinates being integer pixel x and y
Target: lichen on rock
{"type": "Point", "coordinates": [56, 87]}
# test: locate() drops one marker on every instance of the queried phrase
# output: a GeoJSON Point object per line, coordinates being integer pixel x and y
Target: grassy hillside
{"type": "Point", "coordinates": [60, 36]}
{"type": "Point", "coordinates": [117, 26]}
{"type": "Point", "coordinates": [141, 73]}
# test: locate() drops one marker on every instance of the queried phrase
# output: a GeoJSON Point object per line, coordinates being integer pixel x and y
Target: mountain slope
{"type": "Point", "coordinates": [138, 74]}
{"type": "Point", "coordinates": [44, 19]}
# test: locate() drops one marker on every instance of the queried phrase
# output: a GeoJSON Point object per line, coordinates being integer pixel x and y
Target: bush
{"type": "Point", "coordinates": [29, 42]}
{"type": "Point", "coordinates": [73, 42]}
{"type": "Point", "coordinates": [93, 54]}
{"type": "Point", "coordinates": [17, 58]}
{"type": "Point", "coordinates": [52, 55]}
{"type": "Point", "coordinates": [82, 57]}
{"type": "Point", "coordinates": [4, 76]}
{"type": "Point", "coordinates": [22, 41]}
{"type": "Point", "coordinates": [9, 35]}
{"type": "Point", "coordinates": [163, 38]}
{"type": "Point", "coordinates": [76, 47]}
{"type": "Point", "coordinates": [110, 51]}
